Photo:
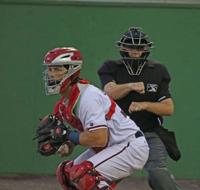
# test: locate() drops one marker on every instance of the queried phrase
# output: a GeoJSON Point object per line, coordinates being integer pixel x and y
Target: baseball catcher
{"type": "Point", "coordinates": [51, 134]}
{"type": "Point", "coordinates": [115, 145]}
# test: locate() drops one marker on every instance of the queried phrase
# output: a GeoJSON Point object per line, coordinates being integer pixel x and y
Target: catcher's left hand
{"type": "Point", "coordinates": [51, 134]}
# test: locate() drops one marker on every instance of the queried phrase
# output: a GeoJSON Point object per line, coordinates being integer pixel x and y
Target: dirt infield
{"type": "Point", "coordinates": [49, 183]}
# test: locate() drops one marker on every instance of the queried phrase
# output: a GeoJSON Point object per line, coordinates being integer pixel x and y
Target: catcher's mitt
{"type": "Point", "coordinates": [50, 135]}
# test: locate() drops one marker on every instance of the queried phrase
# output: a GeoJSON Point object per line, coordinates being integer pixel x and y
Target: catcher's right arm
{"type": "Point", "coordinates": [66, 149]}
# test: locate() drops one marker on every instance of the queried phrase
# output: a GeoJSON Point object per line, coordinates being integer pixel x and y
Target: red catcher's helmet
{"type": "Point", "coordinates": [64, 57]}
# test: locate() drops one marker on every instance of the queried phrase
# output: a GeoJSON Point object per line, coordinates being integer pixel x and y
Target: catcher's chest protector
{"type": "Point", "coordinates": [64, 110]}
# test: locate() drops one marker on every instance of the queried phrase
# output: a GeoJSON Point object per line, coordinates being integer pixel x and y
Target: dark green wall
{"type": "Point", "coordinates": [27, 32]}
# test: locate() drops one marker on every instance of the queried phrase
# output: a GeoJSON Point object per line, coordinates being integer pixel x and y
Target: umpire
{"type": "Point", "coordinates": [141, 89]}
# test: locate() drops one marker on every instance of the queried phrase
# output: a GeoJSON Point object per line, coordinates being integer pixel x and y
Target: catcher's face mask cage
{"type": "Point", "coordinates": [134, 48]}
{"type": "Point", "coordinates": [61, 66]}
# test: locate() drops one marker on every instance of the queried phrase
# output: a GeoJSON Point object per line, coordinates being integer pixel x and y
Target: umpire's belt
{"type": "Point", "coordinates": [138, 134]}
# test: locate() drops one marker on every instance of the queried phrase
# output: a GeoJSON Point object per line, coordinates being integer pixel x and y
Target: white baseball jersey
{"type": "Point", "coordinates": [125, 151]}
{"type": "Point", "coordinates": [93, 106]}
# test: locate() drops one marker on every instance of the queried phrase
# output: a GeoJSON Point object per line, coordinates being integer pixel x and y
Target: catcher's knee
{"type": "Point", "coordinates": [82, 177]}
{"type": "Point", "coordinates": [63, 177]}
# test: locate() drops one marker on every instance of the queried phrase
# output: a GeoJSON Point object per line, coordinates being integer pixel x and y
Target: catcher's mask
{"type": "Point", "coordinates": [134, 48]}
{"type": "Point", "coordinates": [62, 67]}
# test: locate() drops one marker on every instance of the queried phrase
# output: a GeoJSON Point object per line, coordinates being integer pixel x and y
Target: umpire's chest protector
{"type": "Point", "coordinates": [155, 78]}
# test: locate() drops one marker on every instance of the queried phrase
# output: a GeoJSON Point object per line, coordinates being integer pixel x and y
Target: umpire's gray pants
{"type": "Point", "coordinates": [159, 176]}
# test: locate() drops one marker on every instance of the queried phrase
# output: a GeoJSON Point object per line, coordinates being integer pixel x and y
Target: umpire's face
{"type": "Point", "coordinates": [134, 53]}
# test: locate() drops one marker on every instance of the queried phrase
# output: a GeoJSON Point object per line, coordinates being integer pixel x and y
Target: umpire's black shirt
{"type": "Point", "coordinates": [156, 80]}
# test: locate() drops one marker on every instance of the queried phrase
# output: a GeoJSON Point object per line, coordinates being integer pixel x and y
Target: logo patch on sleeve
{"type": "Point", "coordinates": [152, 87]}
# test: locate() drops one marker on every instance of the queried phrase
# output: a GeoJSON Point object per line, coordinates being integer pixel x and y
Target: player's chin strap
{"type": "Point", "coordinates": [82, 176]}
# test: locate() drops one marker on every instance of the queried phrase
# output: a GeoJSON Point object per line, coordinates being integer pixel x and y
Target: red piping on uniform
{"type": "Point", "coordinates": [112, 156]}
{"type": "Point", "coordinates": [111, 110]}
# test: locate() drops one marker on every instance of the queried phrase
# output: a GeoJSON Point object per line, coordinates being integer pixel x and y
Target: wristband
{"type": "Point", "coordinates": [74, 137]}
